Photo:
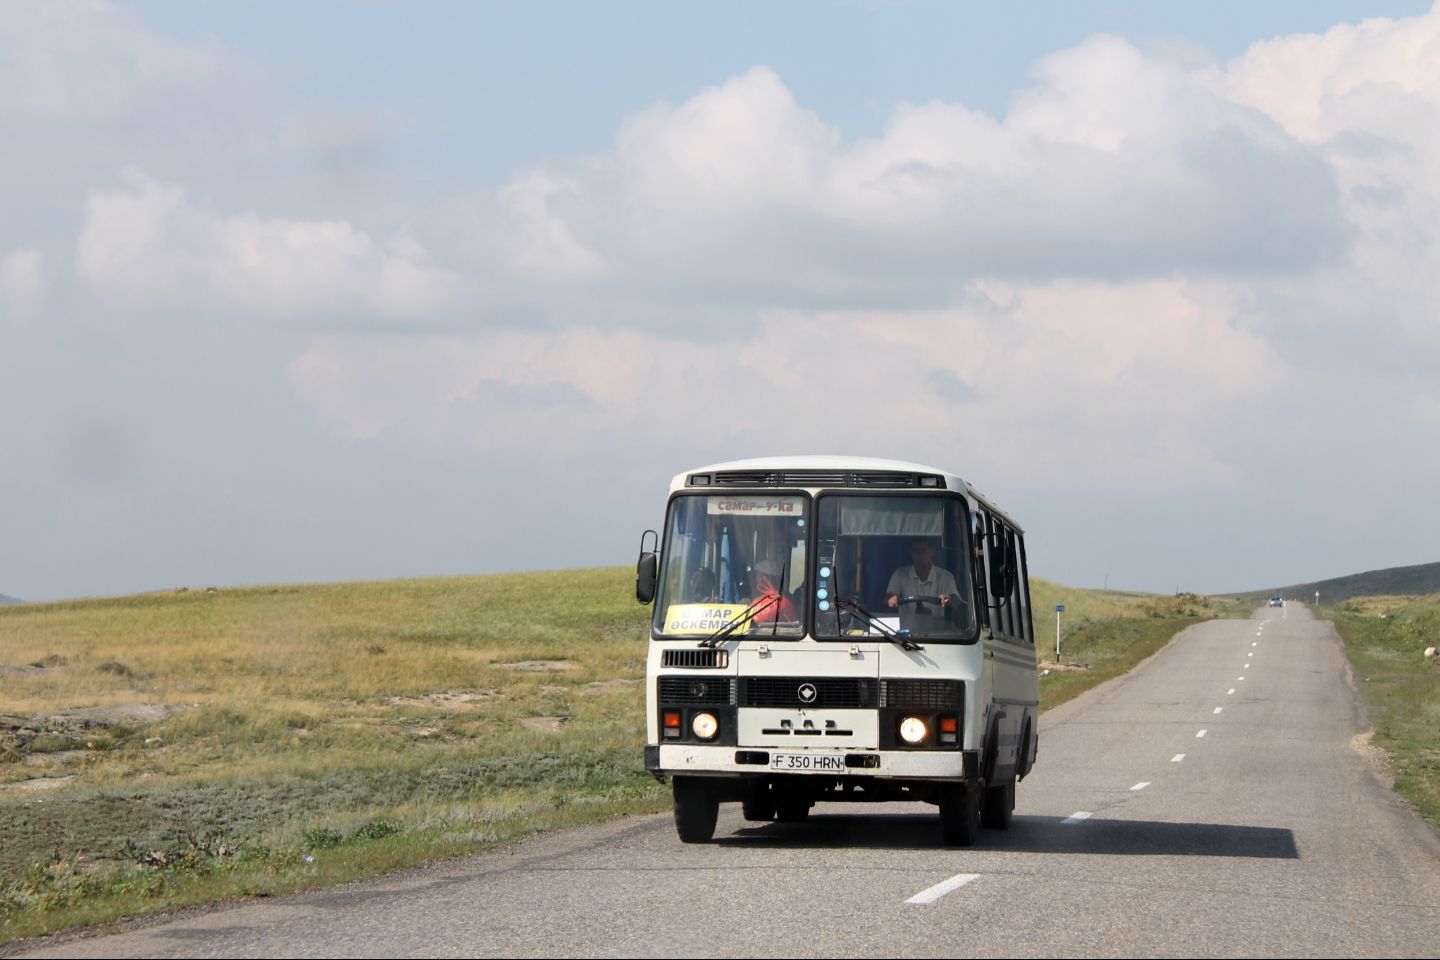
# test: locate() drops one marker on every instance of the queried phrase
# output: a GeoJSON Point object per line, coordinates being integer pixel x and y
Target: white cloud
{"type": "Point", "coordinates": [1354, 76]}
{"type": "Point", "coordinates": [535, 244]}
{"type": "Point", "coordinates": [86, 61]}
{"type": "Point", "coordinates": [1366, 98]}
{"type": "Point", "coordinates": [22, 283]}
{"type": "Point", "coordinates": [1124, 284]}
{"type": "Point", "coordinates": [1120, 386]}
{"type": "Point", "coordinates": [147, 244]}
{"type": "Point", "coordinates": [88, 90]}
{"type": "Point", "coordinates": [1112, 166]}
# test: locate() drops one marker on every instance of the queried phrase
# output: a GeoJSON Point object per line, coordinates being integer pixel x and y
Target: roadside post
{"type": "Point", "coordinates": [1059, 609]}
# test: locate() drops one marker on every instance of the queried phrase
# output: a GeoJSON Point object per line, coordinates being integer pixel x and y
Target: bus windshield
{"type": "Point", "coordinates": [900, 562]}
{"type": "Point", "coordinates": [734, 556]}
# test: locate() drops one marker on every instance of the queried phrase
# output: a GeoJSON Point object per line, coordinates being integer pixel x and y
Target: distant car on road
{"type": "Point", "coordinates": [1276, 602]}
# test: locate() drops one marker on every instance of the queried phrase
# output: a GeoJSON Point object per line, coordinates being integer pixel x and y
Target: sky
{"type": "Point", "coordinates": [335, 291]}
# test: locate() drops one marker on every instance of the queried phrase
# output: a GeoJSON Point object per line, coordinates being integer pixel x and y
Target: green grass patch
{"type": "Point", "coordinates": [1385, 638]}
{"type": "Point", "coordinates": [202, 745]}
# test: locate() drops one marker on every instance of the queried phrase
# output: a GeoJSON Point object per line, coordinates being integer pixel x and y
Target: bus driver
{"type": "Point", "coordinates": [922, 579]}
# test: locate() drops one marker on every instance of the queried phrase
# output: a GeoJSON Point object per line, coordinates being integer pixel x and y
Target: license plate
{"type": "Point", "coordinates": [804, 761]}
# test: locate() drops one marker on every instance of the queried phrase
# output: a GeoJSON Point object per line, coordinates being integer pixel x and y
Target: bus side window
{"type": "Point", "coordinates": [1018, 611]}
{"type": "Point", "coordinates": [1002, 574]}
{"type": "Point", "coordinates": [1007, 579]}
{"type": "Point", "coordinates": [1022, 590]}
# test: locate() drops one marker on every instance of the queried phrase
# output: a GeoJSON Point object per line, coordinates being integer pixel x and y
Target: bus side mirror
{"type": "Point", "coordinates": [647, 568]}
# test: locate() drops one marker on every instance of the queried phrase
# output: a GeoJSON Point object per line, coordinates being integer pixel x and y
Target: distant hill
{"type": "Point", "coordinates": [5, 599]}
{"type": "Point", "coordinates": [1417, 580]}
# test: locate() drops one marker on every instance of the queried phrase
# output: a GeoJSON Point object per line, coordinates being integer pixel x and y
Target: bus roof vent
{"type": "Point", "coordinates": [889, 479]}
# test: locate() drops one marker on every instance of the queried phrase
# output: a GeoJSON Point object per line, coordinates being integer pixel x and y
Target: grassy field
{"type": "Point", "coordinates": [1385, 638]}
{"type": "Point", "coordinates": [178, 748]}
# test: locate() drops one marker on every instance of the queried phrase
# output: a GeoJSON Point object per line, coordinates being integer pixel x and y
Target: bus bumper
{"type": "Point", "coordinates": [669, 759]}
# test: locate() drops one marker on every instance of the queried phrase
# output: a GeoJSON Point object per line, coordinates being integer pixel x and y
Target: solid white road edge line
{"type": "Point", "coordinates": [931, 894]}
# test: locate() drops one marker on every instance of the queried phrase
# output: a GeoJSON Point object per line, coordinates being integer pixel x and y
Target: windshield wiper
{"type": "Point", "coordinates": [779, 593]}
{"type": "Point", "coordinates": [759, 606]}
{"type": "Point", "coordinates": [756, 608]}
{"type": "Point", "coordinates": [902, 640]}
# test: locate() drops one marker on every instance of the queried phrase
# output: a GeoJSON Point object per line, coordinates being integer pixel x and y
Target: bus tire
{"type": "Point", "coordinates": [997, 808]}
{"type": "Point", "coordinates": [697, 807]}
{"type": "Point", "coordinates": [759, 803]}
{"type": "Point", "coordinates": [959, 814]}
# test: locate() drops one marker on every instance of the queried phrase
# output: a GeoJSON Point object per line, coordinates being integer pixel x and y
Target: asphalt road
{"type": "Point", "coordinates": [1212, 803]}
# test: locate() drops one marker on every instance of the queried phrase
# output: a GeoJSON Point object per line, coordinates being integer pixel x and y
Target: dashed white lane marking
{"type": "Point", "coordinates": [1201, 734]}
{"type": "Point", "coordinates": [1254, 644]}
{"type": "Point", "coordinates": [1177, 758]}
{"type": "Point", "coordinates": [1077, 816]}
{"type": "Point", "coordinates": [1141, 785]}
{"type": "Point", "coordinates": [1218, 709]}
{"type": "Point", "coordinates": [1242, 676]}
{"type": "Point", "coordinates": [1230, 692]}
{"type": "Point", "coordinates": [931, 894]}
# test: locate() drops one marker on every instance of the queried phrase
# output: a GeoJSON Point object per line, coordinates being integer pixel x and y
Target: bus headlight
{"type": "Point", "coordinates": [912, 730]}
{"type": "Point", "coordinates": [705, 726]}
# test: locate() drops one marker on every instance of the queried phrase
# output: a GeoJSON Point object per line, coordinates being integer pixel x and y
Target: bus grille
{"type": "Point", "coordinates": [710, 690]}
{"type": "Point", "coordinates": [829, 692]}
{"type": "Point", "coordinates": [694, 659]}
{"type": "Point", "coordinates": [922, 694]}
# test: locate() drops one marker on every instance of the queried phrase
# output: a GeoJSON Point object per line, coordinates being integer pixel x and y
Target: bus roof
{"type": "Point", "coordinates": [838, 463]}
{"type": "Point", "coordinates": [818, 463]}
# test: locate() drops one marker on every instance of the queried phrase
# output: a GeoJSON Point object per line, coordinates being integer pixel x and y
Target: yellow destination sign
{"type": "Point", "coordinates": [703, 617]}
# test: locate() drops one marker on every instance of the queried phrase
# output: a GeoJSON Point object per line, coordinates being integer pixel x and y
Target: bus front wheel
{"type": "Point", "coordinates": [959, 814]}
{"type": "Point", "coordinates": [697, 807]}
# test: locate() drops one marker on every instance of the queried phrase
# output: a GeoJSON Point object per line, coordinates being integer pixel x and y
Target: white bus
{"type": "Point", "coordinates": [832, 628]}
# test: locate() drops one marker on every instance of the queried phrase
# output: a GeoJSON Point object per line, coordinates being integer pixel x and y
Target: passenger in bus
{"type": "Point", "coordinates": [702, 587]}
{"type": "Point", "coordinates": [769, 604]}
{"type": "Point", "coordinates": [923, 579]}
